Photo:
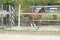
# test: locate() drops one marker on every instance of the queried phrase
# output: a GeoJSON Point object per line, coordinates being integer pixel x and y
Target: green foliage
{"type": "Point", "coordinates": [31, 2]}
{"type": "Point", "coordinates": [26, 3]}
{"type": "Point", "coordinates": [8, 2]}
{"type": "Point", "coordinates": [16, 19]}
{"type": "Point", "coordinates": [58, 2]}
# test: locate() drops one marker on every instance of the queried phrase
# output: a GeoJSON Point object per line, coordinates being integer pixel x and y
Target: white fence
{"type": "Point", "coordinates": [51, 13]}
{"type": "Point", "coordinates": [4, 12]}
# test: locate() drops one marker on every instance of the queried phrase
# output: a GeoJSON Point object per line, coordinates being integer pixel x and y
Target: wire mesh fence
{"type": "Point", "coordinates": [46, 20]}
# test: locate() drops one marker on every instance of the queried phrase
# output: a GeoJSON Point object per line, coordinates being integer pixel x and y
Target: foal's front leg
{"type": "Point", "coordinates": [39, 20]}
{"type": "Point", "coordinates": [32, 24]}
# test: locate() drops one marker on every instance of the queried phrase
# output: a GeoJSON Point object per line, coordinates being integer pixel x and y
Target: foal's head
{"type": "Point", "coordinates": [42, 10]}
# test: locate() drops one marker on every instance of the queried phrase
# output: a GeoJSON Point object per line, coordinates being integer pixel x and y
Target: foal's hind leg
{"type": "Point", "coordinates": [39, 25]}
{"type": "Point", "coordinates": [39, 20]}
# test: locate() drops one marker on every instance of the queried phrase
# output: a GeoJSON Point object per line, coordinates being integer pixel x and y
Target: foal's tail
{"type": "Point", "coordinates": [25, 15]}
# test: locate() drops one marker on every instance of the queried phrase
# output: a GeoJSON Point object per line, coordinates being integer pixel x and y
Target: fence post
{"type": "Point", "coordinates": [2, 17]}
{"type": "Point", "coordinates": [19, 17]}
{"type": "Point", "coordinates": [10, 16]}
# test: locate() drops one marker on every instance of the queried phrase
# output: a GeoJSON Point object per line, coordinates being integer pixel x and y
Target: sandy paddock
{"type": "Point", "coordinates": [27, 37]}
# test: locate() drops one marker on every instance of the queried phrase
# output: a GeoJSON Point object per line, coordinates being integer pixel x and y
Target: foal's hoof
{"type": "Point", "coordinates": [37, 28]}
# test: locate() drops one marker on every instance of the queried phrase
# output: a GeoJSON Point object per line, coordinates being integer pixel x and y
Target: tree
{"type": "Point", "coordinates": [57, 2]}
{"type": "Point", "coordinates": [8, 2]}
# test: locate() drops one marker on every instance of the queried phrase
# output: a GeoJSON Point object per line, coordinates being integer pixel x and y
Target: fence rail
{"type": "Point", "coordinates": [43, 14]}
{"type": "Point", "coordinates": [41, 20]}
{"type": "Point", "coordinates": [56, 13]}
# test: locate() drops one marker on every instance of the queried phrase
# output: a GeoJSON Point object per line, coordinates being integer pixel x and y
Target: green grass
{"type": "Point", "coordinates": [30, 32]}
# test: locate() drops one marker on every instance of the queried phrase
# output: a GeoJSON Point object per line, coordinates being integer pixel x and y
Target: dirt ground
{"type": "Point", "coordinates": [7, 36]}
{"type": "Point", "coordinates": [41, 28]}
{"type": "Point", "coordinates": [32, 37]}
{"type": "Point", "coordinates": [28, 37]}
